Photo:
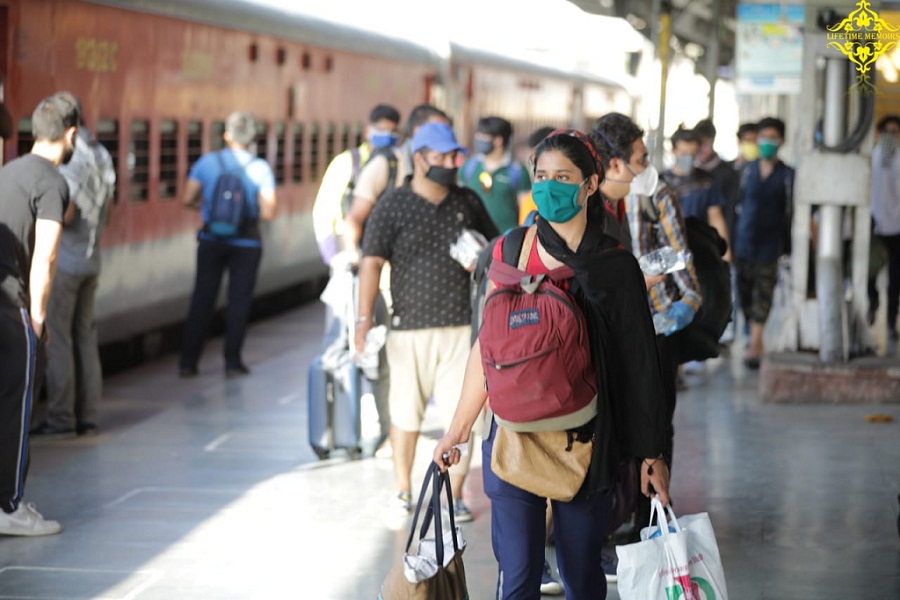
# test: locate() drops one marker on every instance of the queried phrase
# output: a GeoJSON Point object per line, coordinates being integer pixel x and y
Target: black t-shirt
{"type": "Point", "coordinates": [428, 287]}
{"type": "Point", "coordinates": [31, 188]}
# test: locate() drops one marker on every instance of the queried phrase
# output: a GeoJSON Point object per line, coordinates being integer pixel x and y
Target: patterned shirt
{"type": "Point", "coordinates": [91, 177]}
{"type": "Point", "coordinates": [696, 193]}
{"type": "Point", "coordinates": [428, 287]}
{"type": "Point", "coordinates": [659, 224]}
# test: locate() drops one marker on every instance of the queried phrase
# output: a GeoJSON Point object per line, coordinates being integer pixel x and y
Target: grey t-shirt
{"type": "Point", "coordinates": [31, 188]}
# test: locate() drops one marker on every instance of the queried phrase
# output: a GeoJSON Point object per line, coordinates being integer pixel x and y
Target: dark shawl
{"type": "Point", "coordinates": [609, 287]}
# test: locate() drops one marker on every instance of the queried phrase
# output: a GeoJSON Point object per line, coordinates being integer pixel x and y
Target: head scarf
{"type": "Point", "coordinates": [587, 144]}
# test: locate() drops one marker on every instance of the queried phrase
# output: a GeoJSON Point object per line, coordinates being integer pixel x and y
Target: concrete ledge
{"type": "Point", "coordinates": [800, 377]}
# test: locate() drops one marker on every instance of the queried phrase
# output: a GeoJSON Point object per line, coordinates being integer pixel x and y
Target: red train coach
{"type": "Point", "coordinates": [156, 86]}
{"type": "Point", "coordinates": [158, 77]}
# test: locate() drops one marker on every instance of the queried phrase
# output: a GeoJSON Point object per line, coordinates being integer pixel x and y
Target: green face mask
{"type": "Point", "coordinates": [556, 201]}
{"type": "Point", "coordinates": [767, 149]}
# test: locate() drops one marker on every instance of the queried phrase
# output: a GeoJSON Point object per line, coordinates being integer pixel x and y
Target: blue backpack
{"type": "Point", "coordinates": [228, 206]}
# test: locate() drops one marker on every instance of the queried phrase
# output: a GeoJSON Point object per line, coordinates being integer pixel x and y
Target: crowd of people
{"type": "Point", "coordinates": [591, 204]}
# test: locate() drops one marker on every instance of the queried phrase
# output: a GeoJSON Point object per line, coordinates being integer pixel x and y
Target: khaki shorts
{"type": "Point", "coordinates": [425, 363]}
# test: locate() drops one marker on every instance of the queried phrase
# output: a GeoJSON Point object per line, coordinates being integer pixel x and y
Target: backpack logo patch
{"type": "Point", "coordinates": [522, 318]}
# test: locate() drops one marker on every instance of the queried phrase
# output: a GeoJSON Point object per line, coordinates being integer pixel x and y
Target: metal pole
{"type": "Point", "coordinates": [829, 267]}
{"type": "Point", "coordinates": [712, 57]}
{"type": "Point", "coordinates": [663, 49]}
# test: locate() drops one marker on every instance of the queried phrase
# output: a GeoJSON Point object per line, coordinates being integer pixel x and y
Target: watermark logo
{"type": "Point", "coordinates": [862, 37]}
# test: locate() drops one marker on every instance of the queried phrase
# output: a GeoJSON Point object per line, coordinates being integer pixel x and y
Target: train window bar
{"type": "Point", "coordinates": [314, 151]}
{"type": "Point", "coordinates": [358, 134]}
{"type": "Point", "coordinates": [345, 136]}
{"type": "Point", "coordinates": [262, 141]}
{"type": "Point", "coordinates": [108, 136]}
{"type": "Point", "coordinates": [139, 161]}
{"type": "Point", "coordinates": [168, 159]}
{"type": "Point", "coordinates": [278, 167]}
{"type": "Point", "coordinates": [330, 139]}
{"type": "Point", "coordinates": [194, 142]}
{"type": "Point", "coordinates": [216, 131]}
{"type": "Point", "coordinates": [25, 139]}
{"type": "Point", "coordinates": [297, 162]}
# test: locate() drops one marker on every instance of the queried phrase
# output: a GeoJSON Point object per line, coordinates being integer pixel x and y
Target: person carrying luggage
{"type": "Point", "coordinates": [339, 182]}
{"type": "Point", "coordinates": [626, 415]}
{"type": "Point", "coordinates": [414, 228]}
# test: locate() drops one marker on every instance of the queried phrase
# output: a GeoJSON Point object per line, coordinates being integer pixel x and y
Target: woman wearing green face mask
{"type": "Point", "coordinates": [608, 288]}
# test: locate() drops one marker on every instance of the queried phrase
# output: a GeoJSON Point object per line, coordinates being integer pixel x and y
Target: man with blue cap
{"type": "Point", "coordinates": [414, 228]}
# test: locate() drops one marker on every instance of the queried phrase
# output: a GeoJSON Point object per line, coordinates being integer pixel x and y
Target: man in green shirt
{"type": "Point", "coordinates": [500, 182]}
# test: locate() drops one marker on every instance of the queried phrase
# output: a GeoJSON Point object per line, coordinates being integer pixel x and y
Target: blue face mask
{"type": "Point", "coordinates": [383, 140]}
{"type": "Point", "coordinates": [483, 146]}
{"type": "Point", "coordinates": [556, 201]}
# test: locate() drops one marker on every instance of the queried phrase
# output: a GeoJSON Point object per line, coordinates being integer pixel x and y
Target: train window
{"type": "Point", "coordinates": [253, 52]}
{"type": "Point", "coordinates": [216, 131]}
{"type": "Point", "coordinates": [139, 160]}
{"type": "Point", "coordinates": [279, 154]}
{"type": "Point", "coordinates": [297, 175]}
{"type": "Point", "coordinates": [262, 140]}
{"type": "Point", "coordinates": [314, 150]}
{"type": "Point", "coordinates": [306, 61]}
{"type": "Point", "coordinates": [108, 136]}
{"type": "Point", "coordinates": [168, 159]}
{"type": "Point", "coordinates": [358, 135]}
{"type": "Point", "coordinates": [330, 136]}
{"type": "Point", "coordinates": [194, 142]}
{"type": "Point", "coordinates": [26, 139]}
{"type": "Point", "coordinates": [329, 63]}
{"type": "Point", "coordinates": [280, 56]}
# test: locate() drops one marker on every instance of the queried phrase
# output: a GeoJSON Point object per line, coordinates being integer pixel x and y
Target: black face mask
{"type": "Point", "coordinates": [445, 176]}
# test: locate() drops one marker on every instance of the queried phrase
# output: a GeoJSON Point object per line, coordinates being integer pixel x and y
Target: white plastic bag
{"type": "Point", "coordinates": [684, 565]}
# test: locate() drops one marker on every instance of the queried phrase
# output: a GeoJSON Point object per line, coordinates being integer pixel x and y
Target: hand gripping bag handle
{"type": "Point", "coordinates": [656, 507]}
{"type": "Point", "coordinates": [438, 481]}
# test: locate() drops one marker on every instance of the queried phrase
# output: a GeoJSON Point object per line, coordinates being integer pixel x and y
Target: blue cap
{"type": "Point", "coordinates": [435, 136]}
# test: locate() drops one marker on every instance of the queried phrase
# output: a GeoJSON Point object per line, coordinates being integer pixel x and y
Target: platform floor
{"type": "Point", "coordinates": [207, 489]}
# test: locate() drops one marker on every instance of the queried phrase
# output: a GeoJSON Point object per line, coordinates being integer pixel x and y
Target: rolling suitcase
{"type": "Point", "coordinates": [340, 398]}
{"type": "Point", "coordinates": [337, 402]}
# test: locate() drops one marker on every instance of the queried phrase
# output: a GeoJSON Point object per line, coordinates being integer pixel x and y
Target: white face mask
{"type": "Point", "coordinates": [645, 182]}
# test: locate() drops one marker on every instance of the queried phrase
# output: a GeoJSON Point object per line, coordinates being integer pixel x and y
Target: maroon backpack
{"type": "Point", "coordinates": [534, 348]}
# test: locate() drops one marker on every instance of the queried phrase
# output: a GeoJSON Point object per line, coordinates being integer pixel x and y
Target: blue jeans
{"type": "Point", "coordinates": [518, 536]}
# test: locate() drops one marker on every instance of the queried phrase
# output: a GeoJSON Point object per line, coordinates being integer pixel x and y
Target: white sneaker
{"type": "Point", "coordinates": [26, 520]}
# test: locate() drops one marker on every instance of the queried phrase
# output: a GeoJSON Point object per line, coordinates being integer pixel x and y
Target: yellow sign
{"type": "Point", "coordinates": [862, 37]}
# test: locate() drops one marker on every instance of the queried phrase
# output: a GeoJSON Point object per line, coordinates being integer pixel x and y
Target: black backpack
{"type": "Point", "coordinates": [228, 206]}
{"type": "Point", "coordinates": [700, 339]}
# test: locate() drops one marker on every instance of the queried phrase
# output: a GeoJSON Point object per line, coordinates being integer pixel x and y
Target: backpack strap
{"type": "Point", "coordinates": [357, 163]}
{"type": "Point", "coordinates": [505, 273]}
{"type": "Point", "coordinates": [240, 167]}
{"type": "Point", "coordinates": [515, 173]}
{"type": "Point", "coordinates": [527, 245]}
{"type": "Point", "coordinates": [392, 171]}
{"type": "Point", "coordinates": [469, 167]}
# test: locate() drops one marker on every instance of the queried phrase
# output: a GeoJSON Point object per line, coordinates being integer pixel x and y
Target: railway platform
{"type": "Point", "coordinates": [207, 488]}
